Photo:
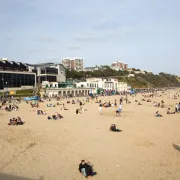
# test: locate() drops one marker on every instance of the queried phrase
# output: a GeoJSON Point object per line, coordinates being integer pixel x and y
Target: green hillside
{"type": "Point", "coordinates": [139, 81]}
{"type": "Point", "coordinates": [151, 80]}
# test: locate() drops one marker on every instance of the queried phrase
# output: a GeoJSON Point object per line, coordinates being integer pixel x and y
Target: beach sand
{"type": "Point", "coordinates": [52, 150]}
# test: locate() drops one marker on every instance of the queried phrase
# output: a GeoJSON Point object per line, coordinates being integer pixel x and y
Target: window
{"type": "Point", "coordinates": [16, 80]}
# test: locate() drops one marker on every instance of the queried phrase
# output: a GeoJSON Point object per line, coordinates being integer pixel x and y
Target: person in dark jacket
{"type": "Point", "coordinates": [88, 170]}
{"type": "Point", "coordinates": [82, 168]}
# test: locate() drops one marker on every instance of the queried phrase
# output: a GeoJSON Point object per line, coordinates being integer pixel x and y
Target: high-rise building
{"type": "Point", "coordinates": [119, 65]}
{"type": "Point", "coordinates": [73, 64]}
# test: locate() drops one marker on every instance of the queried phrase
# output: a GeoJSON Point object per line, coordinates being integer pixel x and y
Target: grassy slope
{"type": "Point", "coordinates": [151, 80]}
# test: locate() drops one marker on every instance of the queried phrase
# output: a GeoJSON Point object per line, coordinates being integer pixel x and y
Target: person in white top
{"type": "Point", "coordinates": [120, 108]}
{"type": "Point", "coordinates": [176, 107]}
{"type": "Point", "coordinates": [100, 109]}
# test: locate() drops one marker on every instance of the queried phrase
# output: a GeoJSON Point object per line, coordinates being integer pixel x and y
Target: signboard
{"type": "Point", "coordinates": [12, 92]}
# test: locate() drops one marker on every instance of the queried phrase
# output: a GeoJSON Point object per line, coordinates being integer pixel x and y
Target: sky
{"type": "Point", "coordinates": [145, 34]}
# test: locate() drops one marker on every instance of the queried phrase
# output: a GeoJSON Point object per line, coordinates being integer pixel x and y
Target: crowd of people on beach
{"type": "Point", "coordinates": [55, 117]}
{"type": "Point", "coordinates": [85, 167]}
{"type": "Point", "coordinates": [15, 121]}
{"type": "Point", "coordinates": [10, 107]}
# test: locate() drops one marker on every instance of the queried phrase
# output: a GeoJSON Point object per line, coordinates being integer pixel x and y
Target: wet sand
{"type": "Point", "coordinates": [52, 150]}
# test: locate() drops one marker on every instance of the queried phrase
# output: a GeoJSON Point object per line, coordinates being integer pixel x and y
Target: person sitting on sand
{"type": "Point", "coordinates": [139, 103]}
{"type": "Point", "coordinates": [89, 170]}
{"type": "Point", "coordinates": [19, 121]}
{"type": "Point", "coordinates": [162, 106]}
{"type": "Point", "coordinates": [54, 117]}
{"type": "Point", "coordinates": [157, 114]}
{"type": "Point", "coordinates": [82, 168]}
{"type": "Point", "coordinates": [10, 122]}
{"type": "Point", "coordinates": [59, 116]}
{"type": "Point", "coordinates": [105, 105]}
{"type": "Point", "coordinates": [49, 118]}
{"type": "Point", "coordinates": [113, 128]}
{"type": "Point", "coordinates": [73, 102]}
{"type": "Point", "coordinates": [13, 121]}
{"type": "Point", "coordinates": [170, 112]}
{"type": "Point", "coordinates": [155, 104]}
{"type": "Point", "coordinates": [78, 111]}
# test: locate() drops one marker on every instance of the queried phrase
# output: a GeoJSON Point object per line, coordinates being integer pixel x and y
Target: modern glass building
{"type": "Point", "coordinates": [14, 75]}
{"type": "Point", "coordinates": [48, 72]}
{"type": "Point", "coordinates": [17, 75]}
{"type": "Point", "coordinates": [16, 79]}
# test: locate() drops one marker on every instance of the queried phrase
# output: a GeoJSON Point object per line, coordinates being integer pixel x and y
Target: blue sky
{"type": "Point", "coordinates": [143, 33]}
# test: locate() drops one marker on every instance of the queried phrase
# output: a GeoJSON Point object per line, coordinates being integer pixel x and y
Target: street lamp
{"type": "Point", "coordinates": [6, 90]}
{"type": "Point", "coordinates": [3, 87]}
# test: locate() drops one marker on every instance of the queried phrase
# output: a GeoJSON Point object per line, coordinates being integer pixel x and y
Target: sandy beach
{"type": "Point", "coordinates": [44, 149]}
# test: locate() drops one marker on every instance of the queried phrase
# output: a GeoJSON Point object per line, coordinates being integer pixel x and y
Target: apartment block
{"type": "Point", "coordinates": [73, 64]}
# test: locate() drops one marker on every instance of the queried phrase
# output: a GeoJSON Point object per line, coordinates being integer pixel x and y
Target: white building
{"type": "Point", "coordinates": [131, 75]}
{"type": "Point", "coordinates": [122, 87]}
{"type": "Point", "coordinates": [139, 72]}
{"type": "Point", "coordinates": [107, 84]}
{"type": "Point", "coordinates": [93, 83]}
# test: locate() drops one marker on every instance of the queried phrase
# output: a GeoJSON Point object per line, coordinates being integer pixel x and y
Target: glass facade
{"type": "Point", "coordinates": [48, 78]}
{"type": "Point", "coordinates": [12, 66]}
{"type": "Point", "coordinates": [16, 80]}
{"type": "Point", "coordinates": [48, 70]}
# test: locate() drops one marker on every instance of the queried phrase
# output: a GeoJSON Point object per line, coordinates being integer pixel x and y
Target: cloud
{"type": "Point", "coordinates": [34, 51]}
{"type": "Point", "coordinates": [45, 39]}
{"type": "Point", "coordinates": [38, 50]}
{"type": "Point", "coordinates": [101, 35]}
{"type": "Point", "coordinates": [74, 48]}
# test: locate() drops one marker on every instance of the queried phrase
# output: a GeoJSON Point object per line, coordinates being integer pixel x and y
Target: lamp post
{"type": "Point", "coordinates": [6, 90]}
{"type": "Point", "coordinates": [3, 87]}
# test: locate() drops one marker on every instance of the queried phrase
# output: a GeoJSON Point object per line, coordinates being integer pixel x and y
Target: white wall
{"type": "Point", "coordinates": [122, 86]}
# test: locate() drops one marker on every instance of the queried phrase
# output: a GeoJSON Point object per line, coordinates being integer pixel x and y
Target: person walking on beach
{"type": "Point", "coordinates": [176, 107]}
{"type": "Point", "coordinates": [100, 109]}
{"type": "Point", "coordinates": [120, 108]}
